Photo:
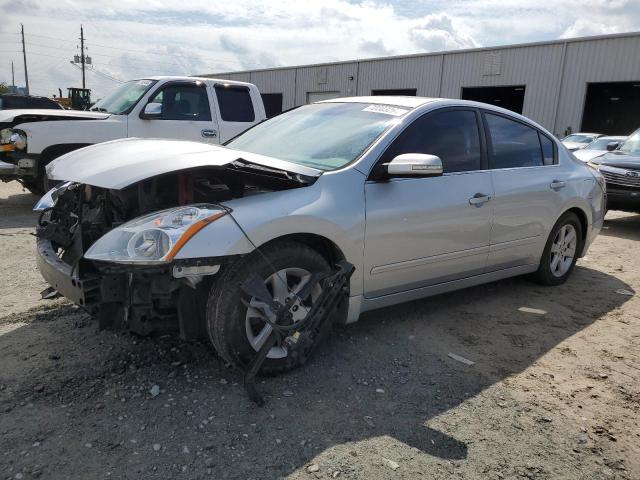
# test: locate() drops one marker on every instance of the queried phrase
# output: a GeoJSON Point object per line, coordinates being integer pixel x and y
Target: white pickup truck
{"type": "Point", "coordinates": [189, 108]}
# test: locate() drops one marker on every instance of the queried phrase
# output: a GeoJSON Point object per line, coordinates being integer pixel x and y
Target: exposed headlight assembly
{"type": "Point", "coordinates": [50, 198]}
{"type": "Point", "coordinates": [18, 139]}
{"type": "Point", "coordinates": [155, 238]}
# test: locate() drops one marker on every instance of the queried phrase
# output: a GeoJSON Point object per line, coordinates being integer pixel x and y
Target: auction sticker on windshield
{"type": "Point", "coordinates": [387, 109]}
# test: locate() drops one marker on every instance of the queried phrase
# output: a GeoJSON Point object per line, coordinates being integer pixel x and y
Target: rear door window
{"type": "Point", "coordinates": [235, 103]}
{"type": "Point", "coordinates": [512, 144]}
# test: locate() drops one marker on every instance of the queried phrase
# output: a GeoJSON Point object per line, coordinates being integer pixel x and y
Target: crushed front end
{"type": "Point", "coordinates": [142, 296]}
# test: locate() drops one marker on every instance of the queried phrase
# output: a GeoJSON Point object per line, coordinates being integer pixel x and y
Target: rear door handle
{"type": "Point", "coordinates": [479, 198]}
{"type": "Point", "coordinates": [558, 184]}
{"type": "Point", "coordinates": [209, 133]}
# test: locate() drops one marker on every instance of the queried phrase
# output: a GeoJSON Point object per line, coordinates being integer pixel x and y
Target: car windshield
{"type": "Point", "coordinates": [578, 138]}
{"type": "Point", "coordinates": [321, 135]}
{"type": "Point", "coordinates": [599, 144]}
{"type": "Point", "coordinates": [123, 98]}
{"type": "Point", "coordinates": [631, 144]}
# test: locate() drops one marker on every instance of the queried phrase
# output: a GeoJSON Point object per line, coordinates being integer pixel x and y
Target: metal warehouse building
{"type": "Point", "coordinates": [582, 84]}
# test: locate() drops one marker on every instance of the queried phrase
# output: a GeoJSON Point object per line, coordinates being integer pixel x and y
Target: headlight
{"type": "Point", "coordinates": [18, 140]}
{"type": "Point", "coordinates": [50, 198]}
{"type": "Point", "coordinates": [5, 133]}
{"type": "Point", "coordinates": [154, 238]}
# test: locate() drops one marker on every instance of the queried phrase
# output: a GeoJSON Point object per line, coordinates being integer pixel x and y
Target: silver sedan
{"type": "Point", "coordinates": [422, 196]}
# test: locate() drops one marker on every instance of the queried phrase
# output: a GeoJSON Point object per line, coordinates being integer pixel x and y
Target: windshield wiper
{"type": "Point", "coordinates": [99, 109]}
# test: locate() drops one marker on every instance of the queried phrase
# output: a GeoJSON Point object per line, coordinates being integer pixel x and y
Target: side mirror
{"type": "Point", "coordinates": [414, 165]}
{"type": "Point", "coordinates": [612, 146]}
{"type": "Point", "coordinates": [152, 110]}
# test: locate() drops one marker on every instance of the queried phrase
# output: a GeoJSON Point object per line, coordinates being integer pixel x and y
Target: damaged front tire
{"type": "Point", "coordinates": [235, 321]}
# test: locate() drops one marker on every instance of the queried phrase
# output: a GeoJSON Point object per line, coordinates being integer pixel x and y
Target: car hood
{"type": "Point", "coordinates": [620, 160]}
{"type": "Point", "coordinates": [586, 155]}
{"type": "Point", "coordinates": [574, 145]}
{"type": "Point", "coordinates": [120, 163]}
{"type": "Point", "coordinates": [31, 115]}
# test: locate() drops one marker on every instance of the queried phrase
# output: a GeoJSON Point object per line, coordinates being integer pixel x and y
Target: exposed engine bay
{"type": "Point", "coordinates": [143, 298]}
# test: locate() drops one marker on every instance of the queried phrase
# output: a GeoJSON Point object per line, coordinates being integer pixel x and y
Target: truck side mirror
{"type": "Point", "coordinates": [151, 110]}
{"type": "Point", "coordinates": [612, 146]}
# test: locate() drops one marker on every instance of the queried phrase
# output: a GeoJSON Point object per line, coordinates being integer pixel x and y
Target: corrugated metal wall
{"type": "Point", "coordinates": [341, 78]}
{"type": "Point", "coordinates": [538, 68]}
{"type": "Point", "coordinates": [555, 75]}
{"type": "Point", "coordinates": [277, 81]}
{"type": "Point", "coordinates": [421, 73]}
{"type": "Point", "coordinates": [603, 60]}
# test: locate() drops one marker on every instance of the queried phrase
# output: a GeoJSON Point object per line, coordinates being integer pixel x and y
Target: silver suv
{"type": "Point", "coordinates": [421, 195]}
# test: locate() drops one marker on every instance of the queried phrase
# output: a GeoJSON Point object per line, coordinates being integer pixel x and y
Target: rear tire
{"type": "Point", "coordinates": [233, 327]}
{"type": "Point", "coordinates": [561, 251]}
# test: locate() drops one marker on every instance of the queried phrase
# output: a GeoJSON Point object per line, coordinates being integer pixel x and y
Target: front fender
{"type": "Point", "coordinates": [332, 208]}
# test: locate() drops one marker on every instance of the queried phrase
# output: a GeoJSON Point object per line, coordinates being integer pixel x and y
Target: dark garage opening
{"type": "Point", "coordinates": [612, 108]}
{"type": "Point", "coordinates": [272, 103]}
{"type": "Point", "coordinates": [411, 92]}
{"type": "Point", "coordinates": [511, 98]}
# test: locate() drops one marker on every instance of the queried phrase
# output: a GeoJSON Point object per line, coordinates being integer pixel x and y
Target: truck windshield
{"type": "Point", "coordinates": [322, 135]}
{"type": "Point", "coordinates": [123, 98]}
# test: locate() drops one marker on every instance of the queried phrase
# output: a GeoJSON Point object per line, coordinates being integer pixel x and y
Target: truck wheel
{"type": "Point", "coordinates": [561, 251]}
{"type": "Point", "coordinates": [237, 329]}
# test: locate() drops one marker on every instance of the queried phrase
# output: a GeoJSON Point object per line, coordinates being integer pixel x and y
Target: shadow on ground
{"type": "Point", "coordinates": [66, 386]}
{"type": "Point", "coordinates": [627, 227]}
{"type": "Point", "coordinates": [15, 211]}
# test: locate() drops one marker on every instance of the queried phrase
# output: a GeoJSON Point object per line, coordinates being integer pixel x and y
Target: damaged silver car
{"type": "Point", "coordinates": [240, 243]}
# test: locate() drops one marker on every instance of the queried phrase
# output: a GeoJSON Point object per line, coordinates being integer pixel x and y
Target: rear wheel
{"type": "Point", "coordinates": [561, 251]}
{"type": "Point", "coordinates": [236, 322]}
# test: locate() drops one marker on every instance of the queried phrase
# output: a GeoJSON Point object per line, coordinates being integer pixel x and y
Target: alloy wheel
{"type": "Point", "coordinates": [563, 250]}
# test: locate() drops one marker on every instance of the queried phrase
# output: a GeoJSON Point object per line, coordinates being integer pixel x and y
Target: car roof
{"type": "Point", "coordinates": [394, 100]}
{"type": "Point", "coordinates": [612, 137]}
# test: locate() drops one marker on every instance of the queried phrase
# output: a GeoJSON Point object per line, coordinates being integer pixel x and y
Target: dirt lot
{"type": "Point", "coordinates": [554, 391]}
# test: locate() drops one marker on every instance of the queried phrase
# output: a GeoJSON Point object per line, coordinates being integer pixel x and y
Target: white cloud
{"type": "Point", "coordinates": [583, 28]}
{"type": "Point", "coordinates": [441, 32]}
{"type": "Point", "coordinates": [129, 39]}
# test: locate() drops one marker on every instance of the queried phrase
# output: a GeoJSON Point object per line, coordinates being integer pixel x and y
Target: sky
{"type": "Point", "coordinates": [133, 39]}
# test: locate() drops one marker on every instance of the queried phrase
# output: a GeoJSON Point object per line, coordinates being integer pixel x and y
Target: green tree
{"type": "Point", "coordinates": [3, 87]}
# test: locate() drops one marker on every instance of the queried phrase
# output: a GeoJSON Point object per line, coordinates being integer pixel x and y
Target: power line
{"type": "Point", "coordinates": [165, 54]}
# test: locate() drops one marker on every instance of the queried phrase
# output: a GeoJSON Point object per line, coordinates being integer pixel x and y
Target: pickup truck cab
{"type": "Point", "coordinates": [188, 108]}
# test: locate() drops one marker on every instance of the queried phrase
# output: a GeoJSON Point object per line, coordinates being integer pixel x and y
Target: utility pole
{"type": "Point", "coordinates": [24, 57]}
{"type": "Point", "coordinates": [13, 75]}
{"type": "Point", "coordinates": [82, 54]}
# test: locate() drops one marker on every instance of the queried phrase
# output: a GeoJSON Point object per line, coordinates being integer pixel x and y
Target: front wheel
{"type": "Point", "coordinates": [236, 322]}
{"type": "Point", "coordinates": [561, 251]}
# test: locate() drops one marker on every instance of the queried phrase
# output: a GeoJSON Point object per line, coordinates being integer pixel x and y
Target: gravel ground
{"type": "Point", "coordinates": [554, 391]}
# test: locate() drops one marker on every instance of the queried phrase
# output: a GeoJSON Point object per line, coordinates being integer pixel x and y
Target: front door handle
{"type": "Point", "coordinates": [556, 184]}
{"type": "Point", "coordinates": [209, 133]}
{"type": "Point", "coordinates": [479, 199]}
